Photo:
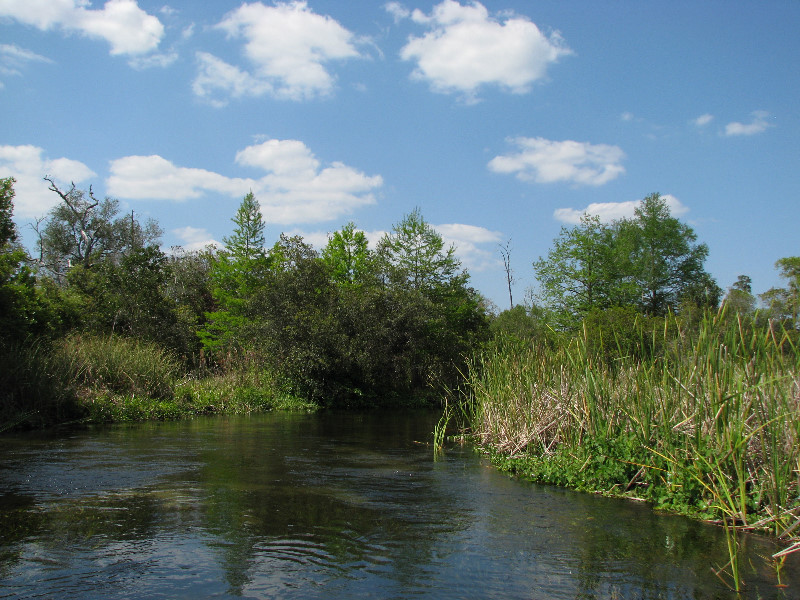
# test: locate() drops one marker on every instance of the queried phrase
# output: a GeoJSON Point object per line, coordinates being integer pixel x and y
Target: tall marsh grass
{"type": "Point", "coordinates": [119, 365]}
{"type": "Point", "coordinates": [710, 427]}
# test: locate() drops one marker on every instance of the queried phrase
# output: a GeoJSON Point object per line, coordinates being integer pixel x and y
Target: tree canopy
{"type": "Point", "coordinates": [651, 262]}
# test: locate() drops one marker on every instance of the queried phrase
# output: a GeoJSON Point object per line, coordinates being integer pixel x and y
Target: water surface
{"type": "Point", "coordinates": [329, 506]}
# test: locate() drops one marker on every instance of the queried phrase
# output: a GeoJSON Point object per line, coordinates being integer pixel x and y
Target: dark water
{"type": "Point", "coordinates": [328, 506]}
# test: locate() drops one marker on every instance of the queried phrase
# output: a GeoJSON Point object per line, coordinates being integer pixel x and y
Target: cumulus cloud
{"type": "Point", "coordinates": [466, 48]}
{"type": "Point", "coordinates": [614, 211]}
{"type": "Point", "coordinates": [759, 124]}
{"type": "Point", "coordinates": [287, 45]}
{"type": "Point", "coordinates": [127, 28]}
{"type": "Point", "coordinates": [28, 165]}
{"type": "Point", "coordinates": [468, 241]}
{"type": "Point", "coordinates": [297, 188]}
{"type": "Point", "coordinates": [546, 161]}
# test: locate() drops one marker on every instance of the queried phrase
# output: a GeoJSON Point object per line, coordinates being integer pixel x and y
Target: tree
{"type": "Point", "coordinates": [237, 272]}
{"type": "Point", "coordinates": [8, 230]}
{"type": "Point", "coordinates": [247, 241]}
{"type": "Point", "coordinates": [783, 304]}
{"type": "Point", "coordinates": [348, 256]}
{"type": "Point", "coordinates": [740, 297]}
{"type": "Point", "coordinates": [414, 254]}
{"type": "Point", "coordinates": [582, 272]}
{"type": "Point", "coordinates": [21, 309]}
{"type": "Point", "coordinates": [84, 230]}
{"type": "Point", "coordinates": [664, 261]}
{"type": "Point", "coordinates": [129, 298]}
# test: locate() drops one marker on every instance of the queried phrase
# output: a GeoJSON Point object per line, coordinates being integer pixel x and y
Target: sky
{"type": "Point", "coordinates": [502, 121]}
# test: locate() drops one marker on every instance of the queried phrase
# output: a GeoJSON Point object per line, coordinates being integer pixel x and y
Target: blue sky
{"type": "Point", "coordinates": [501, 121]}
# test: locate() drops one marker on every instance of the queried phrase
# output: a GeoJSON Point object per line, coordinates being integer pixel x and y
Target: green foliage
{"type": "Point", "coordinates": [22, 310]}
{"type": "Point", "coordinates": [414, 254]}
{"type": "Point", "coordinates": [663, 258]}
{"type": "Point", "coordinates": [348, 256]}
{"type": "Point", "coordinates": [350, 328]}
{"type": "Point", "coordinates": [247, 241]}
{"type": "Point", "coordinates": [740, 299]}
{"type": "Point", "coordinates": [706, 424]}
{"type": "Point", "coordinates": [36, 389]}
{"type": "Point", "coordinates": [8, 231]}
{"type": "Point", "coordinates": [82, 230]}
{"type": "Point", "coordinates": [583, 272]}
{"type": "Point", "coordinates": [520, 322]}
{"type": "Point", "coordinates": [783, 304]}
{"type": "Point", "coordinates": [651, 262]}
{"type": "Point", "coordinates": [237, 273]}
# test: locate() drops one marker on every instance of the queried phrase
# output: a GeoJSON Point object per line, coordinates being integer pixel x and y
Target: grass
{"type": "Point", "coordinates": [710, 427]}
{"type": "Point", "coordinates": [102, 379]}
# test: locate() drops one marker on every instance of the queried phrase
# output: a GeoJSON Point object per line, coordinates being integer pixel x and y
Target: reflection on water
{"type": "Point", "coordinates": [328, 506]}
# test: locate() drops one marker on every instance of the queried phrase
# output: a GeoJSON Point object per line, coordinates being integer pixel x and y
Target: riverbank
{"type": "Point", "coordinates": [708, 427]}
{"type": "Point", "coordinates": [104, 379]}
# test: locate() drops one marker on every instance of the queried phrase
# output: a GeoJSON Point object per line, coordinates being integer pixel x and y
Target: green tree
{"type": "Point", "coordinates": [348, 255]}
{"type": "Point", "coordinates": [663, 260]}
{"type": "Point", "coordinates": [247, 241]}
{"type": "Point", "coordinates": [21, 309]}
{"type": "Point", "coordinates": [237, 272]}
{"type": "Point", "coordinates": [739, 298]}
{"type": "Point", "coordinates": [82, 230]}
{"type": "Point", "coordinates": [130, 298]}
{"type": "Point", "coordinates": [582, 272]}
{"type": "Point", "coordinates": [783, 304]}
{"type": "Point", "coordinates": [414, 254]}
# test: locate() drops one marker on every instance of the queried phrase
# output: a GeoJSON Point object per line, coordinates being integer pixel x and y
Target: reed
{"type": "Point", "coordinates": [710, 426]}
{"type": "Point", "coordinates": [118, 365]}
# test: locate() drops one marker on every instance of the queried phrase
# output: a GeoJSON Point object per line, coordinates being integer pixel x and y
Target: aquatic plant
{"type": "Point", "coordinates": [709, 426]}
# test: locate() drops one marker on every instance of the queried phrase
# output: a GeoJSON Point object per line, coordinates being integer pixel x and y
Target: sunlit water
{"type": "Point", "coordinates": [329, 506]}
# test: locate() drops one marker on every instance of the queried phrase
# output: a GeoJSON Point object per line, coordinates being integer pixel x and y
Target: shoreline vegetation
{"type": "Point", "coordinates": [626, 373]}
{"type": "Point", "coordinates": [702, 421]}
{"type": "Point", "coordinates": [86, 378]}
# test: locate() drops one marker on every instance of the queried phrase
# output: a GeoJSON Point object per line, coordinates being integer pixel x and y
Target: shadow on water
{"type": "Point", "coordinates": [329, 506]}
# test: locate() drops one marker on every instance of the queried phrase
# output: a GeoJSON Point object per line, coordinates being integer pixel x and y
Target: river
{"type": "Point", "coordinates": [330, 505]}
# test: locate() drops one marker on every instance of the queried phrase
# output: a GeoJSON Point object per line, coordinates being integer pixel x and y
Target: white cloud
{"type": "Point", "coordinates": [703, 120]}
{"type": "Point", "coordinates": [614, 211]}
{"type": "Point", "coordinates": [288, 46]}
{"type": "Point", "coordinates": [13, 58]}
{"type": "Point", "coordinates": [194, 238]}
{"type": "Point", "coordinates": [217, 80]}
{"type": "Point", "coordinates": [127, 28]}
{"type": "Point", "coordinates": [154, 177]}
{"type": "Point", "coordinates": [759, 124]}
{"type": "Point", "coordinates": [546, 161]}
{"type": "Point", "coordinates": [28, 165]}
{"type": "Point", "coordinates": [397, 10]}
{"type": "Point", "coordinates": [468, 240]}
{"type": "Point", "coordinates": [296, 188]}
{"type": "Point", "coordinates": [465, 49]}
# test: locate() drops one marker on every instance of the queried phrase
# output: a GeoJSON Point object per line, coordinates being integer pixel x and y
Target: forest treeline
{"type": "Point", "coordinates": [99, 322]}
